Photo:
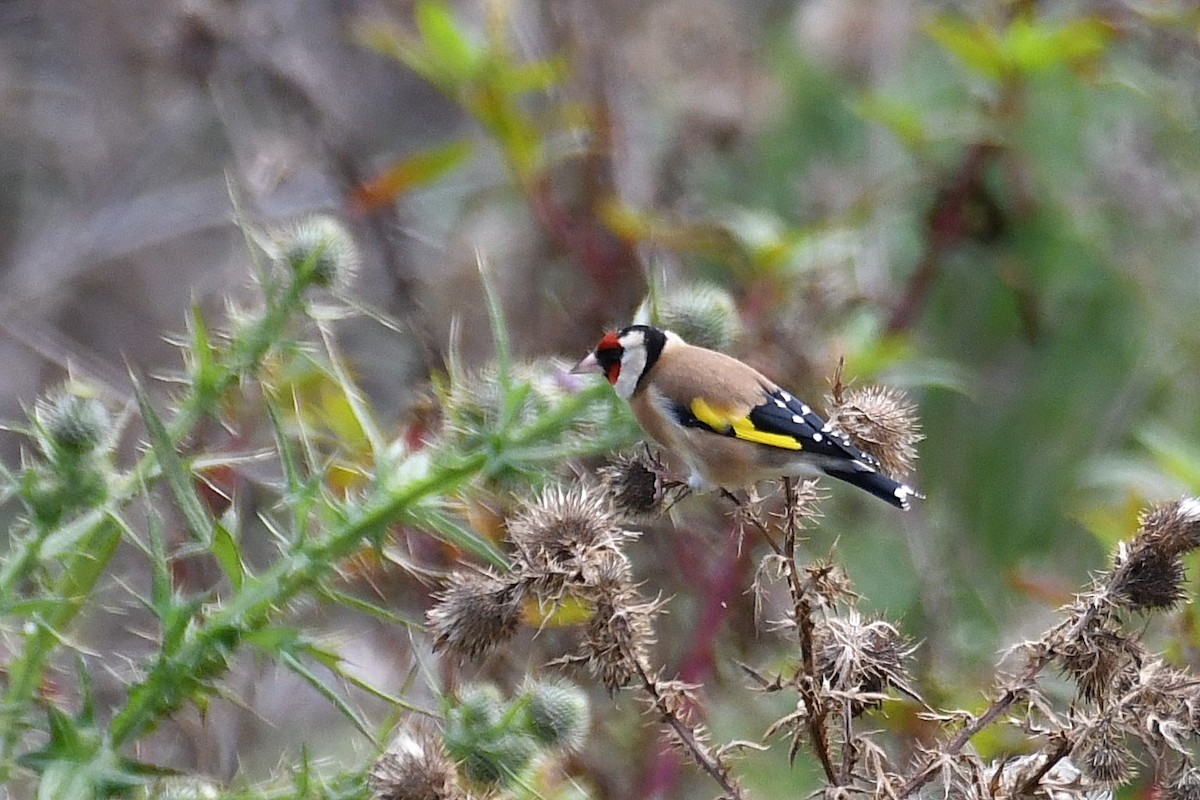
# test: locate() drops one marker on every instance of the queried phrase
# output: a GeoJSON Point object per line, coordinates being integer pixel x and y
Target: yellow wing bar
{"type": "Point", "coordinates": [741, 427]}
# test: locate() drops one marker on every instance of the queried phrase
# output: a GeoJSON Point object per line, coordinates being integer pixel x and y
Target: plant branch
{"type": "Point", "coordinates": [802, 610]}
{"type": "Point", "coordinates": [686, 735]}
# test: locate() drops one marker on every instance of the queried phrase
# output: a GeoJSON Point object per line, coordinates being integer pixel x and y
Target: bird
{"type": "Point", "coordinates": [730, 424]}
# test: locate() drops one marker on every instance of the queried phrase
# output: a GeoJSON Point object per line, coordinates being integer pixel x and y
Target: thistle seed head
{"type": "Point", "coordinates": [1150, 577]}
{"type": "Point", "coordinates": [854, 655]}
{"type": "Point", "coordinates": [563, 529]}
{"type": "Point", "coordinates": [702, 313]}
{"type": "Point", "coordinates": [1102, 660]}
{"type": "Point", "coordinates": [617, 638]}
{"type": "Point", "coordinates": [883, 422]}
{"type": "Point", "coordinates": [1103, 756]}
{"type": "Point", "coordinates": [475, 612]}
{"type": "Point", "coordinates": [1185, 786]}
{"type": "Point", "coordinates": [1173, 528]}
{"type": "Point", "coordinates": [415, 766]}
{"type": "Point", "coordinates": [636, 486]}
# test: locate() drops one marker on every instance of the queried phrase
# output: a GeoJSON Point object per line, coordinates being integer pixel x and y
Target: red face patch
{"type": "Point", "coordinates": [608, 353]}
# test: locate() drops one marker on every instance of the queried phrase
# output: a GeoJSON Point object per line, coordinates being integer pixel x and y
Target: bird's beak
{"type": "Point", "coordinates": [589, 364]}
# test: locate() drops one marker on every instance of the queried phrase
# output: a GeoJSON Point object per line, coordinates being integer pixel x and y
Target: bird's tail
{"type": "Point", "coordinates": [878, 484]}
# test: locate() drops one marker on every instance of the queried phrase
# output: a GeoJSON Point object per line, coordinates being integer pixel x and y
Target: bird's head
{"type": "Point", "coordinates": [625, 356]}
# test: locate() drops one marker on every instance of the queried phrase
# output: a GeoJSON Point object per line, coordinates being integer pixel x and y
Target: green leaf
{"type": "Point", "coordinates": [447, 45]}
{"type": "Point", "coordinates": [1173, 453]}
{"type": "Point", "coordinates": [275, 639]}
{"type": "Point", "coordinates": [229, 556]}
{"type": "Point", "coordinates": [1030, 46]}
{"type": "Point", "coordinates": [534, 76]}
{"type": "Point", "coordinates": [353, 396]}
{"type": "Point", "coordinates": [902, 119]}
{"type": "Point", "coordinates": [367, 607]}
{"type": "Point", "coordinates": [445, 528]}
{"type": "Point", "coordinates": [412, 171]}
{"type": "Point", "coordinates": [976, 46]}
{"type": "Point", "coordinates": [177, 476]}
{"type": "Point", "coordinates": [330, 694]}
{"type": "Point", "coordinates": [204, 368]}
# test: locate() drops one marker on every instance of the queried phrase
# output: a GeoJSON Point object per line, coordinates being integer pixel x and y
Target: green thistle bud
{"type": "Point", "coordinates": [499, 760]}
{"type": "Point", "coordinates": [70, 423]}
{"type": "Point", "coordinates": [480, 708]}
{"type": "Point", "coordinates": [482, 738]}
{"type": "Point", "coordinates": [320, 250]}
{"type": "Point", "coordinates": [558, 714]}
{"type": "Point", "coordinates": [702, 313]}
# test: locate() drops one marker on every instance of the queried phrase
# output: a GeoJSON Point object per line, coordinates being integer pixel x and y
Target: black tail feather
{"type": "Point", "coordinates": [885, 488]}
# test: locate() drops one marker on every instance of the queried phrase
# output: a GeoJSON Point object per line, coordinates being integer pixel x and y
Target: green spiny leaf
{"type": "Point", "coordinates": [179, 480]}
{"type": "Point", "coordinates": [229, 556]}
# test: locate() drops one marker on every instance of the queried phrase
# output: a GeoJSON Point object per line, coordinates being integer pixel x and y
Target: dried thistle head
{"type": "Point", "coordinates": [415, 766]}
{"type": "Point", "coordinates": [854, 655]}
{"type": "Point", "coordinates": [1172, 528]}
{"type": "Point", "coordinates": [1063, 781]}
{"type": "Point", "coordinates": [1185, 785]}
{"type": "Point", "coordinates": [1165, 706]}
{"type": "Point", "coordinates": [617, 638]}
{"type": "Point", "coordinates": [637, 486]}
{"type": "Point", "coordinates": [1148, 576]}
{"type": "Point", "coordinates": [828, 582]}
{"type": "Point", "coordinates": [475, 612]}
{"type": "Point", "coordinates": [562, 529]}
{"type": "Point", "coordinates": [1101, 659]}
{"type": "Point", "coordinates": [1102, 754]}
{"type": "Point", "coordinates": [883, 422]}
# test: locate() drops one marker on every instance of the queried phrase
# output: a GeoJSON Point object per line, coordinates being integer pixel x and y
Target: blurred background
{"type": "Point", "coordinates": [993, 205]}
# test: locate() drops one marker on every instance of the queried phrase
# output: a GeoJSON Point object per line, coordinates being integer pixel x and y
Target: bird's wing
{"type": "Point", "coordinates": [780, 420]}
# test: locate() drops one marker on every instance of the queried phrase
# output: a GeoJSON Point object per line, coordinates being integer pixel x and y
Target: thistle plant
{"type": "Point", "coordinates": [560, 555]}
{"type": "Point", "coordinates": [80, 506]}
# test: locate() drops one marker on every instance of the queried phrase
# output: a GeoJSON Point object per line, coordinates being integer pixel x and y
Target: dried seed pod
{"type": "Point", "coordinates": [475, 612]}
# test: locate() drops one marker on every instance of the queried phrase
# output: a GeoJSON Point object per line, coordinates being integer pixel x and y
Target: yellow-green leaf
{"type": "Point", "coordinates": [446, 43]}
{"type": "Point", "coordinates": [976, 46]}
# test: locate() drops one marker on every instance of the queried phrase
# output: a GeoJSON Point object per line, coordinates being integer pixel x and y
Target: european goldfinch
{"type": "Point", "coordinates": [730, 424]}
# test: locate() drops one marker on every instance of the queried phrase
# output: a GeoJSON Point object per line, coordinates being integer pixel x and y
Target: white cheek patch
{"type": "Point", "coordinates": [631, 369]}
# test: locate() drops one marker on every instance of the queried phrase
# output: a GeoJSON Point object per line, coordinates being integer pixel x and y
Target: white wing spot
{"type": "Point", "coordinates": [826, 428]}
{"type": "Point", "coordinates": [786, 397]}
{"type": "Point", "coordinates": [816, 437]}
{"type": "Point", "coordinates": [796, 418]}
{"type": "Point", "coordinates": [805, 409]}
{"type": "Point", "coordinates": [780, 403]}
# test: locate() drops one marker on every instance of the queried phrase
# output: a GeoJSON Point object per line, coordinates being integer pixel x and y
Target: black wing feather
{"type": "Point", "coordinates": [785, 414]}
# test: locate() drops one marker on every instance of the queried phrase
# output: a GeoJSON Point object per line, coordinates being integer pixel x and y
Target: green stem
{"type": "Point", "coordinates": [95, 547]}
{"type": "Point", "coordinates": [251, 609]}
{"type": "Point", "coordinates": [72, 588]}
